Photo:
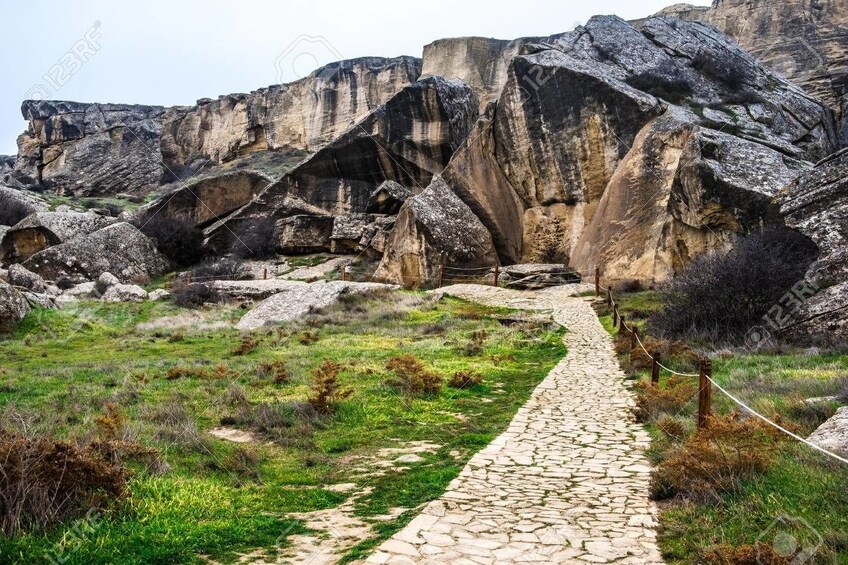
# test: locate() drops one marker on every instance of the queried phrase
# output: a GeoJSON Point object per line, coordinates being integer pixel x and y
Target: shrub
{"type": "Point", "coordinates": [226, 269]}
{"type": "Point", "coordinates": [728, 70]}
{"type": "Point", "coordinates": [256, 240]}
{"type": "Point", "coordinates": [179, 240]}
{"type": "Point", "coordinates": [247, 345]}
{"type": "Point", "coordinates": [12, 212]}
{"type": "Point", "coordinates": [242, 462]}
{"type": "Point", "coordinates": [760, 554]}
{"type": "Point", "coordinates": [194, 295]}
{"type": "Point", "coordinates": [112, 423]}
{"type": "Point", "coordinates": [465, 379]}
{"type": "Point", "coordinates": [666, 83]}
{"type": "Point", "coordinates": [326, 391]}
{"type": "Point", "coordinates": [478, 341]}
{"type": "Point", "coordinates": [715, 459]}
{"type": "Point", "coordinates": [308, 338]}
{"type": "Point", "coordinates": [44, 482]}
{"type": "Point", "coordinates": [653, 402]}
{"type": "Point", "coordinates": [186, 372]}
{"type": "Point", "coordinates": [274, 369]}
{"type": "Point", "coordinates": [720, 296]}
{"type": "Point", "coordinates": [412, 377]}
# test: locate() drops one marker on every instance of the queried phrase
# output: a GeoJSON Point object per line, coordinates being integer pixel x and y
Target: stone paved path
{"type": "Point", "coordinates": [566, 483]}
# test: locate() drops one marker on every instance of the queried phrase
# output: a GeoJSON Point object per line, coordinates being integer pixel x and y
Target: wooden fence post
{"type": "Point", "coordinates": [655, 369]}
{"type": "Point", "coordinates": [705, 393]}
{"type": "Point", "coordinates": [441, 275]}
{"type": "Point", "coordinates": [609, 297]}
{"type": "Point", "coordinates": [622, 326]}
{"type": "Point", "coordinates": [497, 274]}
{"type": "Point", "coordinates": [265, 274]}
{"type": "Point", "coordinates": [597, 282]}
{"type": "Point", "coordinates": [615, 315]}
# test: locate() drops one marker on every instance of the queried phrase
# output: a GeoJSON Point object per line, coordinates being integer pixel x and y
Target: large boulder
{"type": "Point", "coordinates": [803, 41]}
{"type": "Point", "coordinates": [15, 205]}
{"type": "Point", "coordinates": [833, 434]}
{"type": "Point", "coordinates": [634, 149]}
{"type": "Point", "coordinates": [45, 229]}
{"type": "Point", "coordinates": [816, 204]}
{"type": "Point", "coordinates": [119, 249]}
{"type": "Point", "coordinates": [304, 233]}
{"type": "Point", "coordinates": [407, 140]}
{"type": "Point", "coordinates": [536, 275]}
{"type": "Point", "coordinates": [13, 307]}
{"type": "Point", "coordinates": [434, 228]}
{"type": "Point", "coordinates": [387, 198]}
{"type": "Point", "coordinates": [106, 149]}
{"type": "Point", "coordinates": [23, 278]}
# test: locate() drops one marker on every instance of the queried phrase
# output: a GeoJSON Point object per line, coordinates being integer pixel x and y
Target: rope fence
{"type": "Point", "coordinates": [705, 376]}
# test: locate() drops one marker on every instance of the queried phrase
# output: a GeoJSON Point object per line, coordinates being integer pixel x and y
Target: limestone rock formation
{"type": "Point", "coordinates": [432, 228]}
{"type": "Point", "coordinates": [816, 204]}
{"type": "Point", "coordinates": [479, 62]}
{"type": "Point", "coordinates": [119, 249]}
{"type": "Point", "coordinates": [13, 307]}
{"type": "Point", "coordinates": [7, 165]}
{"type": "Point", "coordinates": [408, 140]}
{"type": "Point", "coordinates": [20, 277]}
{"type": "Point", "coordinates": [807, 42]}
{"type": "Point", "coordinates": [387, 198]}
{"type": "Point", "coordinates": [538, 275]}
{"type": "Point", "coordinates": [44, 229]}
{"type": "Point", "coordinates": [23, 202]}
{"type": "Point", "coordinates": [304, 233]}
{"type": "Point", "coordinates": [672, 105]}
{"type": "Point", "coordinates": [105, 149]}
{"type": "Point", "coordinates": [207, 199]}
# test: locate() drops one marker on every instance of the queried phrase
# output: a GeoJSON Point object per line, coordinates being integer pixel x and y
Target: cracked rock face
{"type": "Point", "coordinates": [119, 249]}
{"type": "Point", "coordinates": [803, 41]}
{"type": "Point", "coordinates": [408, 140]}
{"type": "Point", "coordinates": [816, 204]}
{"type": "Point", "coordinates": [635, 149]}
{"type": "Point", "coordinates": [44, 229]}
{"type": "Point", "coordinates": [13, 307]}
{"type": "Point", "coordinates": [106, 149]}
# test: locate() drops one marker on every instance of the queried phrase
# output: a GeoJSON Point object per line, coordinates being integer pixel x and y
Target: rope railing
{"type": "Point", "coordinates": [706, 381]}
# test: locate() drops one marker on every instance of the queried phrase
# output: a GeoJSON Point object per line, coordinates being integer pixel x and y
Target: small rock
{"type": "Point", "coordinates": [159, 294]}
{"type": "Point", "coordinates": [106, 281]}
{"type": "Point", "coordinates": [125, 293]}
{"type": "Point", "coordinates": [24, 278]}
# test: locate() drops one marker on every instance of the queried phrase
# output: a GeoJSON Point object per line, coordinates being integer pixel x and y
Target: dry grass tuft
{"type": "Point", "coordinates": [465, 379]}
{"type": "Point", "coordinates": [652, 403]}
{"type": "Point", "coordinates": [326, 391]}
{"type": "Point", "coordinates": [412, 377]}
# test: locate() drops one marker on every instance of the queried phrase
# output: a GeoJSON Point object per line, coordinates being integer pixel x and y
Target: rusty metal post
{"type": "Point", "coordinates": [597, 282]}
{"type": "Point", "coordinates": [705, 393]}
{"type": "Point", "coordinates": [655, 368]}
{"type": "Point", "coordinates": [497, 274]}
{"type": "Point", "coordinates": [441, 275]}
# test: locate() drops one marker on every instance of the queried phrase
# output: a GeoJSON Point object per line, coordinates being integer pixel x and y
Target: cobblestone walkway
{"type": "Point", "coordinates": [566, 483]}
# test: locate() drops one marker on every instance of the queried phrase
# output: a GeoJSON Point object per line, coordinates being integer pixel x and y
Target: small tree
{"type": "Point", "coordinates": [255, 239]}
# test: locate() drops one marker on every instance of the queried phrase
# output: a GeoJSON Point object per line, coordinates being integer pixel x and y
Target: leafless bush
{"type": "Point", "coordinates": [256, 239]}
{"type": "Point", "coordinates": [178, 239]}
{"type": "Point", "coordinates": [326, 391]}
{"type": "Point", "coordinates": [412, 377]}
{"type": "Point", "coordinates": [194, 295]}
{"type": "Point", "coordinates": [720, 296]}
{"type": "Point", "coordinates": [44, 482]}
{"type": "Point", "coordinates": [221, 269]}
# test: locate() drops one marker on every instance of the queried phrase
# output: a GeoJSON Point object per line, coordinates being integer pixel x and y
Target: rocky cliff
{"type": "Point", "coordinates": [106, 149]}
{"type": "Point", "coordinates": [634, 149]}
{"type": "Point", "coordinates": [804, 40]}
{"type": "Point", "coordinates": [408, 140]}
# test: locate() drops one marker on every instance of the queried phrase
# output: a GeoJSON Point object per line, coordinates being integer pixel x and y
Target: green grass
{"type": "Point", "coordinates": [801, 483]}
{"type": "Point", "coordinates": [62, 369]}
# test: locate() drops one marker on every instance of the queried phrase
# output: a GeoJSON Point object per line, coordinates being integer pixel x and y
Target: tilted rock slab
{"type": "Point", "coordinates": [300, 299]}
{"type": "Point", "coordinates": [45, 229]}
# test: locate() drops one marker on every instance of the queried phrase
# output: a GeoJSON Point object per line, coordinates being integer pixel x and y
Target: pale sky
{"type": "Point", "coordinates": [176, 51]}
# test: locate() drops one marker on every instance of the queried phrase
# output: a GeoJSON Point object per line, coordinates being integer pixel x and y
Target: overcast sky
{"type": "Point", "coordinates": [170, 52]}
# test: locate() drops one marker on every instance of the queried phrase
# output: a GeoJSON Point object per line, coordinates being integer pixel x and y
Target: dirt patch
{"type": "Point", "coordinates": [233, 435]}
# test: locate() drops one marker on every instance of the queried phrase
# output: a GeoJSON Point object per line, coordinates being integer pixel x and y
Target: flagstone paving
{"type": "Point", "coordinates": [566, 483]}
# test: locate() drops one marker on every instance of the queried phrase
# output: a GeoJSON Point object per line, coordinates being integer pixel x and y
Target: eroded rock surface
{"type": "Point", "coordinates": [45, 229]}
{"type": "Point", "coordinates": [13, 307]}
{"type": "Point", "coordinates": [119, 249]}
{"type": "Point", "coordinates": [833, 434]}
{"type": "Point", "coordinates": [816, 204]}
{"type": "Point", "coordinates": [105, 149]}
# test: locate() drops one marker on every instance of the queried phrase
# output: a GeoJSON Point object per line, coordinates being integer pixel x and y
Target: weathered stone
{"type": "Point", "coordinates": [99, 149]}
{"type": "Point", "coordinates": [106, 281]}
{"type": "Point", "coordinates": [300, 299]}
{"type": "Point", "coordinates": [158, 294]}
{"type": "Point", "coordinates": [13, 307]}
{"type": "Point", "coordinates": [803, 41]}
{"type": "Point", "coordinates": [304, 233]}
{"type": "Point", "coordinates": [119, 249]}
{"type": "Point", "coordinates": [25, 200]}
{"type": "Point", "coordinates": [407, 140]}
{"type": "Point", "coordinates": [45, 229]}
{"type": "Point", "coordinates": [124, 293]}
{"type": "Point", "coordinates": [348, 232]}
{"type": "Point", "coordinates": [206, 200]}
{"type": "Point", "coordinates": [23, 278]}
{"type": "Point", "coordinates": [387, 198]}
{"type": "Point", "coordinates": [833, 434]}
{"type": "Point", "coordinates": [432, 228]}
{"type": "Point", "coordinates": [816, 204]}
